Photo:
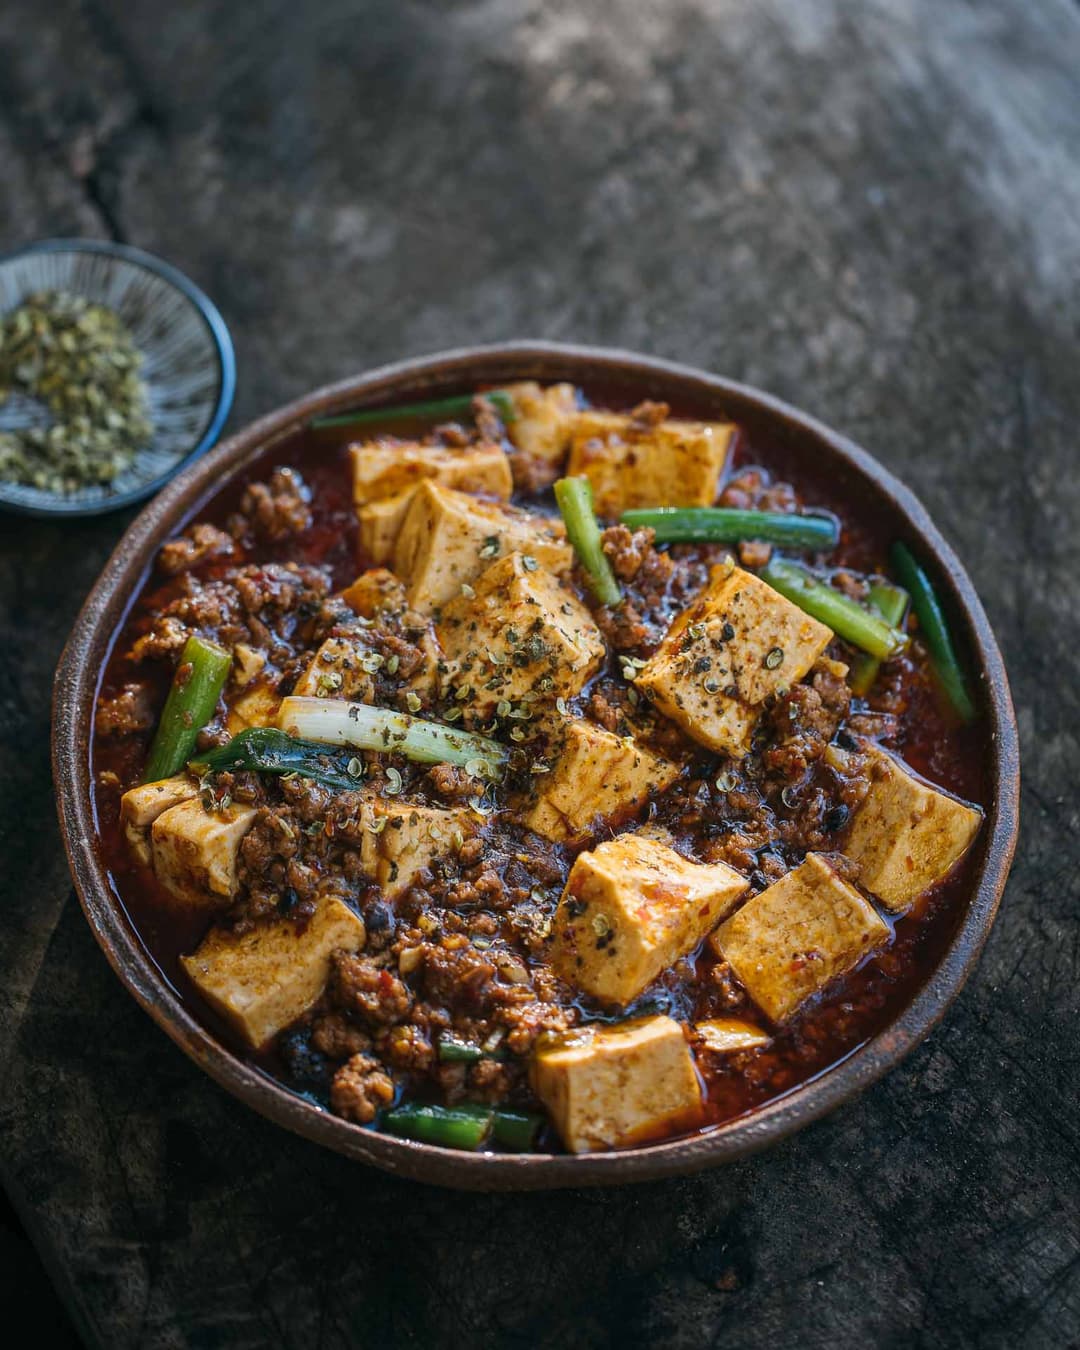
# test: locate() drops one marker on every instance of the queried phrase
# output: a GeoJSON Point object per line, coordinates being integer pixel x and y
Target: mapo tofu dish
{"type": "Point", "coordinates": [530, 770]}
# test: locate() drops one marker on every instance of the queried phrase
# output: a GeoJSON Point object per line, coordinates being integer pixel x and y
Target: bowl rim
{"type": "Point", "coordinates": [75, 688]}
{"type": "Point", "coordinates": [220, 337]}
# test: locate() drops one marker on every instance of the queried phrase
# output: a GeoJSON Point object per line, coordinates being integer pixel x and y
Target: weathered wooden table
{"type": "Point", "coordinates": [871, 209]}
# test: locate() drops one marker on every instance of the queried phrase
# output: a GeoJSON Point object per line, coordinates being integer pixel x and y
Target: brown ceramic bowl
{"type": "Point", "coordinates": [79, 671]}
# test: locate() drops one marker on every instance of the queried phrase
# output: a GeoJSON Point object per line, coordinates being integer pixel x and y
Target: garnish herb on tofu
{"type": "Point", "coordinates": [528, 774]}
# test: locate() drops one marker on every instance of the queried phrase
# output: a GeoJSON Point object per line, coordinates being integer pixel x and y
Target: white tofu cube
{"type": "Point", "coordinates": [787, 943]}
{"type": "Point", "coordinates": [247, 663]}
{"type": "Point", "coordinates": [375, 591]}
{"type": "Point", "coordinates": [400, 840]}
{"type": "Point", "coordinates": [448, 538]}
{"type": "Point", "coordinates": [906, 835]}
{"type": "Point", "coordinates": [345, 667]}
{"type": "Point", "coordinates": [337, 671]}
{"type": "Point", "coordinates": [195, 851]}
{"type": "Point", "coordinates": [598, 778]}
{"type": "Point", "coordinates": [612, 1087]}
{"type": "Point", "coordinates": [737, 644]}
{"type": "Point", "coordinates": [384, 468]}
{"type": "Point", "coordinates": [378, 526]}
{"type": "Point", "coordinates": [724, 1035]}
{"type": "Point", "coordinates": [631, 463]}
{"type": "Point", "coordinates": [257, 706]}
{"type": "Point", "coordinates": [140, 807]}
{"type": "Point", "coordinates": [542, 425]}
{"type": "Point", "coordinates": [631, 907]}
{"type": "Point", "coordinates": [261, 981]}
{"type": "Point", "coordinates": [521, 632]}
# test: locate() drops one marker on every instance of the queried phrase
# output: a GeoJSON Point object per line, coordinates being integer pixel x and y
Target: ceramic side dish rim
{"type": "Point", "coordinates": [75, 687]}
{"type": "Point", "coordinates": [226, 362]}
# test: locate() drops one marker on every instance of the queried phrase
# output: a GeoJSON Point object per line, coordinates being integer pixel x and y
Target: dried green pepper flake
{"type": "Point", "coordinates": [80, 360]}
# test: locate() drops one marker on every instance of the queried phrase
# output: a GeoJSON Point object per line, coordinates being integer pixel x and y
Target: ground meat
{"type": "Point", "coordinates": [649, 414]}
{"type": "Point", "coordinates": [623, 628]}
{"type": "Point", "coordinates": [801, 727]}
{"type": "Point", "coordinates": [804, 722]}
{"type": "Point", "coordinates": [368, 990]}
{"type": "Point", "coordinates": [409, 657]}
{"type": "Point", "coordinates": [125, 713]}
{"type": "Point", "coordinates": [752, 489]}
{"type": "Point", "coordinates": [850, 584]}
{"type": "Point", "coordinates": [878, 726]}
{"type": "Point", "coordinates": [166, 636]}
{"type": "Point", "coordinates": [843, 866]}
{"type": "Point", "coordinates": [626, 550]}
{"type": "Point", "coordinates": [528, 1020]}
{"type": "Point", "coordinates": [532, 474]}
{"type": "Point", "coordinates": [471, 851]}
{"type": "Point", "coordinates": [603, 711]}
{"type": "Point", "coordinates": [618, 708]}
{"type": "Point", "coordinates": [665, 737]}
{"type": "Point", "coordinates": [754, 552]}
{"type": "Point", "coordinates": [890, 690]}
{"type": "Point", "coordinates": [646, 574]}
{"type": "Point", "coordinates": [544, 866]}
{"type": "Point", "coordinates": [272, 607]}
{"type": "Point", "coordinates": [240, 786]}
{"type": "Point", "coordinates": [201, 543]}
{"type": "Point", "coordinates": [213, 735]}
{"type": "Point", "coordinates": [265, 853]}
{"type": "Point", "coordinates": [337, 1038]}
{"type": "Point", "coordinates": [834, 691]}
{"type": "Point", "coordinates": [305, 1065]}
{"type": "Point", "coordinates": [408, 1048]}
{"type": "Point", "coordinates": [492, 1080]}
{"type": "Point", "coordinates": [274, 510]}
{"type": "Point", "coordinates": [334, 615]}
{"type": "Point", "coordinates": [488, 422]}
{"type": "Point", "coordinates": [646, 569]}
{"type": "Point", "coordinates": [277, 589]}
{"type": "Point", "coordinates": [361, 1088]}
{"type": "Point", "coordinates": [458, 975]}
{"type": "Point", "coordinates": [726, 989]}
{"type": "Point", "coordinates": [732, 825]}
{"type": "Point", "coordinates": [446, 780]}
{"type": "Point", "coordinates": [451, 433]}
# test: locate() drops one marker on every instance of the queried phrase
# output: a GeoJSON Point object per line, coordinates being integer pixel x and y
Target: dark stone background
{"type": "Point", "coordinates": [872, 209]}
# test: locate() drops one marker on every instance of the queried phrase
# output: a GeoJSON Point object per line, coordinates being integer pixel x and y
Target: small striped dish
{"type": "Point", "coordinates": [188, 362]}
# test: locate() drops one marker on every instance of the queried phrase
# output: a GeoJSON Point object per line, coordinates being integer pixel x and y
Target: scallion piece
{"type": "Point", "coordinates": [891, 603]}
{"type": "Point", "coordinates": [453, 1051]}
{"type": "Point", "coordinates": [448, 1126]}
{"type": "Point", "coordinates": [332, 721]}
{"type": "Point", "coordinates": [574, 496]}
{"type": "Point", "coordinates": [515, 1131]}
{"type": "Point", "coordinates": [467, 1126]}
{"type": "Point", "coordinates": [846, 617]}
{"type": "Point", "coordinates": [724, 525]}
{"type": "Point", "coordinates": [935, 631]}
{"type": "Point", "coordinates": [200, 675]}
{"type": "Point", "coordinates": [267, 750]}
{"type": "Point", "coordinates": [459, 406]}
